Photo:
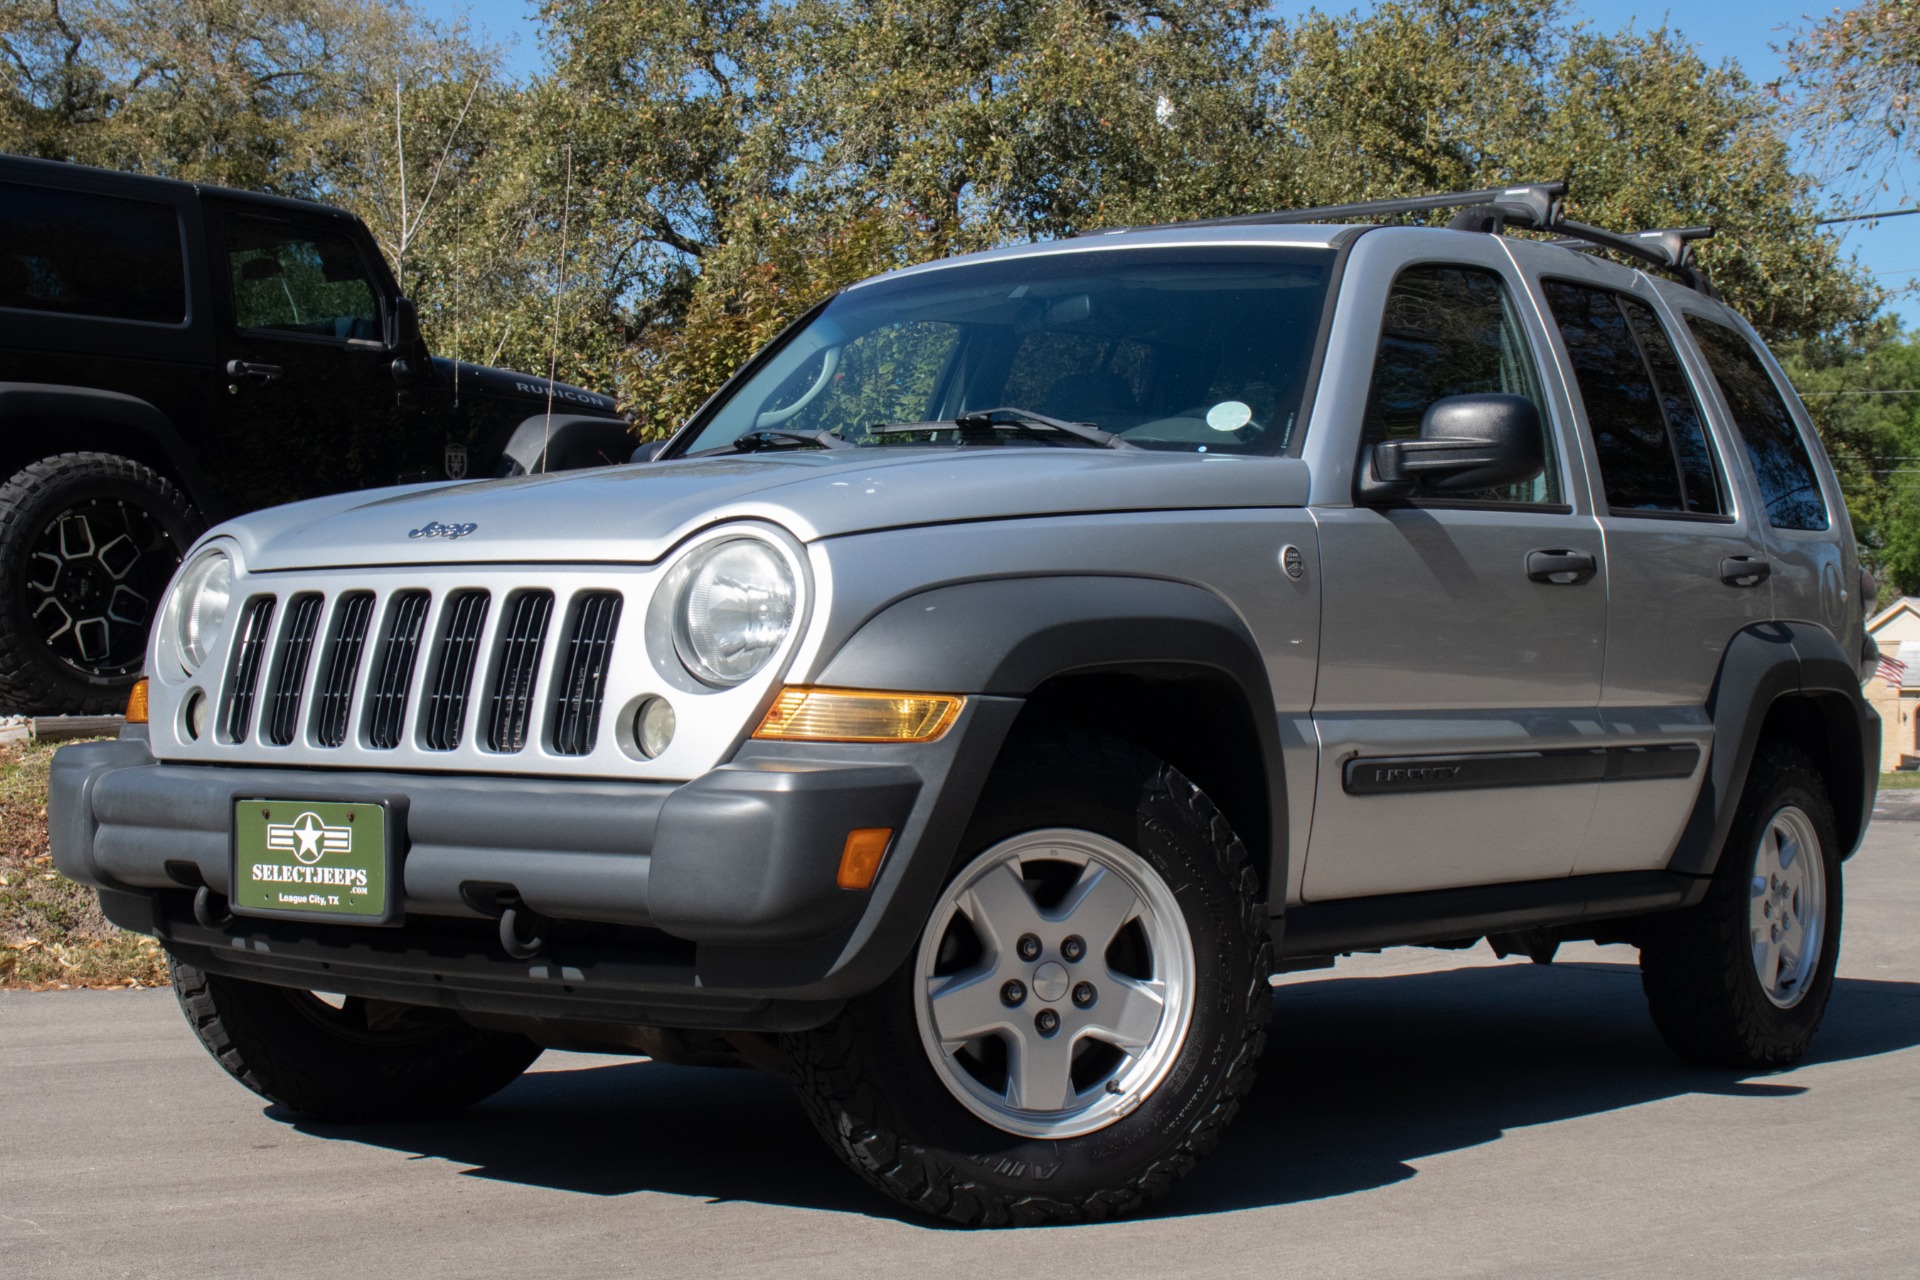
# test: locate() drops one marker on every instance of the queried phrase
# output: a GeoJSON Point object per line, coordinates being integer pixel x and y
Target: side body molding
{"type": "Point", "coordinates": [38, 401]}
{"type": "Point", "coordinates": [1764, 664]}
{"type": "Point", "coordinates": [1009, 636]}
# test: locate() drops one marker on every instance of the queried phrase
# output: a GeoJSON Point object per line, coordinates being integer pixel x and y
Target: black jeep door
{"type": "Point", "coordinates": [310, 404]}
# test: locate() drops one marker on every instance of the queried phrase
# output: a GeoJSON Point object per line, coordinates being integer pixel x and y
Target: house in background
{"type": "Point", "coordinates": [1896, 629]}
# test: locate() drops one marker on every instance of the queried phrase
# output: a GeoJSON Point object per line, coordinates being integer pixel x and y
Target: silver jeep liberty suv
{"type": "Point", "coordinates": [1015, 665]}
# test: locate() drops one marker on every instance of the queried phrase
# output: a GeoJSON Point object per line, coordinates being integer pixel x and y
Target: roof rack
{"type": "Point", "coordinates": [1531, 206]}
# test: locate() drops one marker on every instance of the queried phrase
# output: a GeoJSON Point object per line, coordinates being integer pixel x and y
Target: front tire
{"type": "Point", "coordinates": [358, 1062]}
{"type": "Point", "coordinates": [1742, 980]}
{"type": "Point", "coordinates": [1083, 1015]}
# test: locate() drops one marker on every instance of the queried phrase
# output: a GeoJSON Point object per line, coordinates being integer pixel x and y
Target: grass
{"type": "Point", "coordinates": [1907, 780]}
{"type": "Point", "coordinates": [52, 935]}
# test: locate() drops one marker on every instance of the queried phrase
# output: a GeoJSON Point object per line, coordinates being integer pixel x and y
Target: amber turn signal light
{"type": "Point", "coordinates": [855, 715]}
{"type": "Point", "coordinates": [137, 702]}
{"type": "Point", "coordinates": [860, 860]}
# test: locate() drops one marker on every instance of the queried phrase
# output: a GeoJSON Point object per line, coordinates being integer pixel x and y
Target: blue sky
{"type": "Point", "coordinates": [1745, 32]}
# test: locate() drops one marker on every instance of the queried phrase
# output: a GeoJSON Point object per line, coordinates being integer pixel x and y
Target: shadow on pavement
{"type": "Point", "coordinates": [1362, 1076]}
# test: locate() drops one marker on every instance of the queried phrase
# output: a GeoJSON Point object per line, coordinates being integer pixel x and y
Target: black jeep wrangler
{"type": "Point", "coordinates": [172, 355]}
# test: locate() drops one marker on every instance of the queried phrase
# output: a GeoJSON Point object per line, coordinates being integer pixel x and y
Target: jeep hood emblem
{"type": "Point", "coordinates": [434, 529]}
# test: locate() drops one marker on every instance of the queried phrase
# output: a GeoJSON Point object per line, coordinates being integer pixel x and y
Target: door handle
{"type": "Point", "coordinates": [1561, 567]}
{"type": "Point", "coordinates": [251, 371]}
{"type": "Point", "coordinates": [1745, 571]}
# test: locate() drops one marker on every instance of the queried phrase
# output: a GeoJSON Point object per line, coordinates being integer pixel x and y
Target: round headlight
{"type": "Point", "coordinates": [204, 594]}
{"type": "Point", "coordinates": [735, 608]}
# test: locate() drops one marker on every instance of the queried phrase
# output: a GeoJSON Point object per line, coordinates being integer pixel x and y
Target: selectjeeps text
{"type": "Point", "coordinates": [1020, 661]}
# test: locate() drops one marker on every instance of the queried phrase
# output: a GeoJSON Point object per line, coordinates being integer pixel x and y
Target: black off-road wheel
{"type": "Point", "coordinates": [1742, 980]}
{"type": "Point", "coordinates": [88, 543]}
{"type": "Point", "coordinates": [1083, 1014]}
{"type": "Point", "coordinates": [347, 1061]}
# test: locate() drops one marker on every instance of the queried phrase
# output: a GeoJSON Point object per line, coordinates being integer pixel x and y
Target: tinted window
{"type": "Point", "coordinates": [1781, 463]}
{"type": "Point", "coordinates": [300, 280]}
{"type": "Point", "coordinates": [887, 374]}
{"type": "Point", "coordinates": [89, 255]}
{"type": "Point", "coordinates": [1647, 429]}
{"type": "Point", "coordinates": [1451, 331]}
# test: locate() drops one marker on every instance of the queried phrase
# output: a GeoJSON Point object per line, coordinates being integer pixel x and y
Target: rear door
{"type": "Point", "coordinates": [1458, 688]}
{"type": "Point", "coordinates": [1688, 568]}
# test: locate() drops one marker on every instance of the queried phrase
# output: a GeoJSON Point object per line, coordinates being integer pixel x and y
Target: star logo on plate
{"type": "Point", "coordinates": [308, 838]}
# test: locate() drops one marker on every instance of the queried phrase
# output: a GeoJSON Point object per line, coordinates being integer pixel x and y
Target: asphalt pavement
{"type": "Point", "coordinates": [1419, 1114]}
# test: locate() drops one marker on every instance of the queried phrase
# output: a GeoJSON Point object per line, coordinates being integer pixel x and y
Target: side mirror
{"type": "Point", "coordinates": [648, 451]}
{"type": "Point", "coordinates": [1466, 443]}
{"type": "Point", "coordinates": [404, 341]}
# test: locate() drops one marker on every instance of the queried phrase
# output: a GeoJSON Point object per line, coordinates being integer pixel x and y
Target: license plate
{"type": "Point", "coordinates": [307, 858]}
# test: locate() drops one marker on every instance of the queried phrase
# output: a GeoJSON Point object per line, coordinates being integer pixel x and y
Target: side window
{"type": "Point", "coordinates": [1788, 484]}
{"type": "Point", "coordinates": [1449, 331]}
{"type": "Point", "coordinates": [1647, 430]}
{"type": "Point", "coordinates": [76, 253]}
{"type": "Point", "coordinates": [300, 280]}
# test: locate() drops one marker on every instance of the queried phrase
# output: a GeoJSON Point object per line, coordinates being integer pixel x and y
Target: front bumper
{"type": "Point", "coordinates": [710, 903]}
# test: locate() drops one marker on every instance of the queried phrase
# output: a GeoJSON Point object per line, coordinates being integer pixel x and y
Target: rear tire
{"type": "Point", "coordinates": [362, 1062]}
{"type": "Point", "coordinates": [931, 1113]}
{"type": "Point", "coordinates": [1742, 980]}
{"type": "Point", "coordinates": [88, 543]}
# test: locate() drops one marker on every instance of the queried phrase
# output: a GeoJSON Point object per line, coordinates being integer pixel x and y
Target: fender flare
{"type": "Point", "coordinates": [41, 400]}
{"type": "Point", "coordinates": [1009, 636]}
{"type": "Point", "coordinates": [564, 437]}
{"type": "Point", "coordinates": [1763, 664]}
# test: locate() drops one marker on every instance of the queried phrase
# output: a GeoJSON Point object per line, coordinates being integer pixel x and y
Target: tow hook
{"type": "Point", "coordinates": [210, 909]}
{"type": "Point", "coordinates": [522, 934]}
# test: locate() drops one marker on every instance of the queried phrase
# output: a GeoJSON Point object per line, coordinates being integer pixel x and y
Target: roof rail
{"type": "Point", "coordinates": [1531, 206]}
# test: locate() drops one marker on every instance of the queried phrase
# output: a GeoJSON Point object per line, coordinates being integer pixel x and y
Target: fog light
{"type": "Point", "coordinates": [196, 718]}
{"type": "Point", "coordinates": [653, 726]}
{"type": "Point", "coordinates": [137, 702]}
{"type": "Point", "coordinates": [852, 715]}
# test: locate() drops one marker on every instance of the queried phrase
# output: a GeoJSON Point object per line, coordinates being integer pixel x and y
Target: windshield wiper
{"type": "Point", "coordinates": [779, 438]}
{"type": "Point", "coordinates": [1008, 419]}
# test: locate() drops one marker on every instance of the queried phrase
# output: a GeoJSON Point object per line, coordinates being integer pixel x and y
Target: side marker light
{"type": "Point", "coordinates": [860, 860]}
{"type": "Point", "coordinates": [137, 702]}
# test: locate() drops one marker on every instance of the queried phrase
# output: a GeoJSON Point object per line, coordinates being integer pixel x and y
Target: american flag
{"type": "Point", "coordinates": [1892, 670]}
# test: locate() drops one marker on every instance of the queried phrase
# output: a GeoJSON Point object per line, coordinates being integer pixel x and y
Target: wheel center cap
{"type": "Point", "coordinates": [1050, 981]}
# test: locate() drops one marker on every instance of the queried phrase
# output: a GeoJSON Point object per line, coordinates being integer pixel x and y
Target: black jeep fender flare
{"type": "Point", "coordinates": [567, 441]}
{"type": "Point", "coordinates": [1765, 664]}
{"type": "Point", "coordinates": [40, 401]}
{"type": "Point", "coordinates": [999, 640]}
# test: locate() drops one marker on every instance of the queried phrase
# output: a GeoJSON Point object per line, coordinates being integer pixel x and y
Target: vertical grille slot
{"type": "Point", "coordinates": [523, 638]}
{"type": "Point", "coordinates": [289, 681]}
{"type": "Point", "coordinates": [387, 700]}
{"type": "Point", "coordinates": [333, 697]}
{"type": "Point", "coordinates": [243, 671]}
{"type": "Point", "coordinates": [582, 686]}
{"type": "Point", "coordinates": [445, 715]}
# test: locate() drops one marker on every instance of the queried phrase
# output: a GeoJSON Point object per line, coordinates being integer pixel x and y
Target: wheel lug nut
{"type": "Point", "coordinates": [1046, 1022]}
{"type": "Point", "coordinates": [1083, 994]}
{"type": "Point", "coordinates": [1013, 993]}
{"type": "Point", "coordinates": [1028, 947]}
{"type": "Point", "coordinates": [1072, 949]}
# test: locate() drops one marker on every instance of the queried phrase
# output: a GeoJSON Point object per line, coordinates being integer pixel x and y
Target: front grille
{"type": "Point", "coordinates": [333, 700]}
{"type": "Point", "coordinates": [387, 700]}
{"type": "Point", "coordinates": [290, 673]}
{"type": "Point", "coordinates": [445, 713]}
{"type": "Point", "coordinates": [582, 686]}
{"type": "Point", "coordinates": [522, 640]}
{"type": "Point", "coordinates": [243, 672]}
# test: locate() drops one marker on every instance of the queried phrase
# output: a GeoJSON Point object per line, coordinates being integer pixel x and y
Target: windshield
{"type": "Point", "coordinates": [1193, 349]}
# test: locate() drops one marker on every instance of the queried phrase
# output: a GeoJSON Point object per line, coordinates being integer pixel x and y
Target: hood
{"type": "Point", "coordinates": [636, 514]}
{"type": "Point", "coordinates": [519, 386]}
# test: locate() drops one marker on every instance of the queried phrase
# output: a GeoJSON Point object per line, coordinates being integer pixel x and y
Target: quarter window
{"type": "Point", "coordinates": [76, 253]}
{"type": "Point", "coordinates": [1647, 429]}
{"type": "Point", "coordinates": [1448, 331]}
{"type": "Point", "coordinates": [300, 281]}
{"type": "Point", "coordinates": [1788, 484]}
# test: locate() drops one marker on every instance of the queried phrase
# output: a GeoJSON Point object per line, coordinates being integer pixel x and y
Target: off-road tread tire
{"type": "Point", "coordinates": [866, 1128]}
{"type": "Point", "coordinates": [257, 1036]}
{"type": "Point", "coordinates": [1695, 968]}
{"type": "Point", "coordinates": [32, 682]}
